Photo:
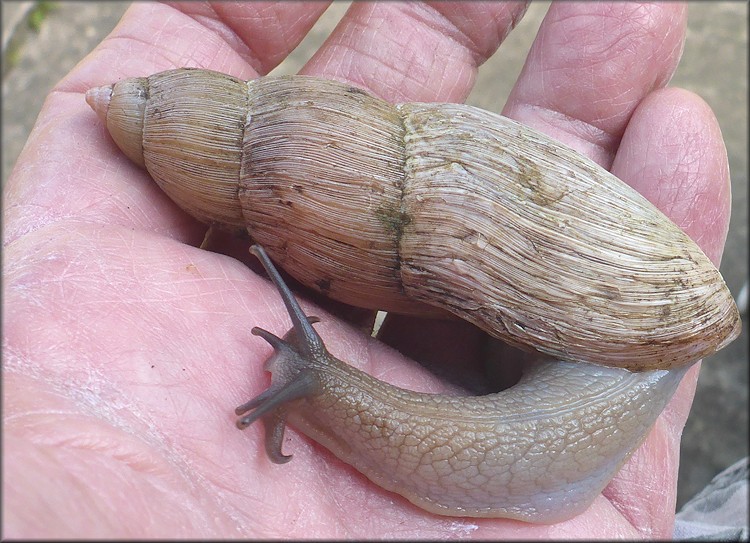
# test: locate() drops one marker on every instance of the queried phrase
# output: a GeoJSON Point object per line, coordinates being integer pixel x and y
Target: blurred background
{"type": "Point", "coordinates": [42, 41]}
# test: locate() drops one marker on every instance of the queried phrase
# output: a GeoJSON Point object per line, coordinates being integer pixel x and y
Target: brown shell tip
{"type": "Point", "coordinates": [98, 98]}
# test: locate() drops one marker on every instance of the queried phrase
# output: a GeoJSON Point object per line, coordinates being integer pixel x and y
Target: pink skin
{"type": "Point", "coordinates": [126, 348]}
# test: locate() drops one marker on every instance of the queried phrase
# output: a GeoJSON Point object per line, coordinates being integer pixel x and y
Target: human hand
{"type": "Point", "coordinates": [126, 348]}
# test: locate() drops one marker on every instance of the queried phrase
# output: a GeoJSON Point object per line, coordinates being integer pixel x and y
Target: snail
{"type": "Point", "coordinates": [428, 209]}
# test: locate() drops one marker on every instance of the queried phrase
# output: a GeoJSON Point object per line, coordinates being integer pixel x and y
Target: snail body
{"type": "Point", "coordinates": [424, 208]}
{"type": "Point", "coordinates": [540, 451]}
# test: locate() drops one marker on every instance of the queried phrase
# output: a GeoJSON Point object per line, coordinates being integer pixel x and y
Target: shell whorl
{"type": "Point", "coordinates": [180, 143]}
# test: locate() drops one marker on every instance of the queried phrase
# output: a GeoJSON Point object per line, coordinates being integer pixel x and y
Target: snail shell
{"type": "Point", "coordinates": [412, 207]}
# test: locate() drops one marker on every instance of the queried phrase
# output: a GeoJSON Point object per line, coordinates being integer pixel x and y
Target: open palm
{"type": "Point", "coordinates": [126, 348]}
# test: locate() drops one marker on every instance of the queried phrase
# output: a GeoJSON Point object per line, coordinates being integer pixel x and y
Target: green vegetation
{"type": "Point", "coordinates": [38, 14]}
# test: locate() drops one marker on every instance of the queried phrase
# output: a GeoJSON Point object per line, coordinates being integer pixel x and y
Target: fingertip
{"type": "Point", "coordinates": [590, 66]}
{"type": "Point", "coordinates": [413, 51]}
{"type": "Point", "coordinates": [673, 153]}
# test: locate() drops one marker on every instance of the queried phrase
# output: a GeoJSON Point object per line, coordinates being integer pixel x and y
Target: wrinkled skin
{"type": "Point", "coordinates": [126, 348]}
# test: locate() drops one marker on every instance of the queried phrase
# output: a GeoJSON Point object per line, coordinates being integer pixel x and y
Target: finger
{"type": "Point", "coordinates": [244, 39]}
{"type": "Point", "coordinates": [263, 33]}
{"type": "Point", "coordinates": [413, 51]}
{"type": "Point", "coordinates": [674, 154]}
{"type": "Point", "coordinates": [590, 66]}
{"type": "Point", "coordinates": [672, 151]}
